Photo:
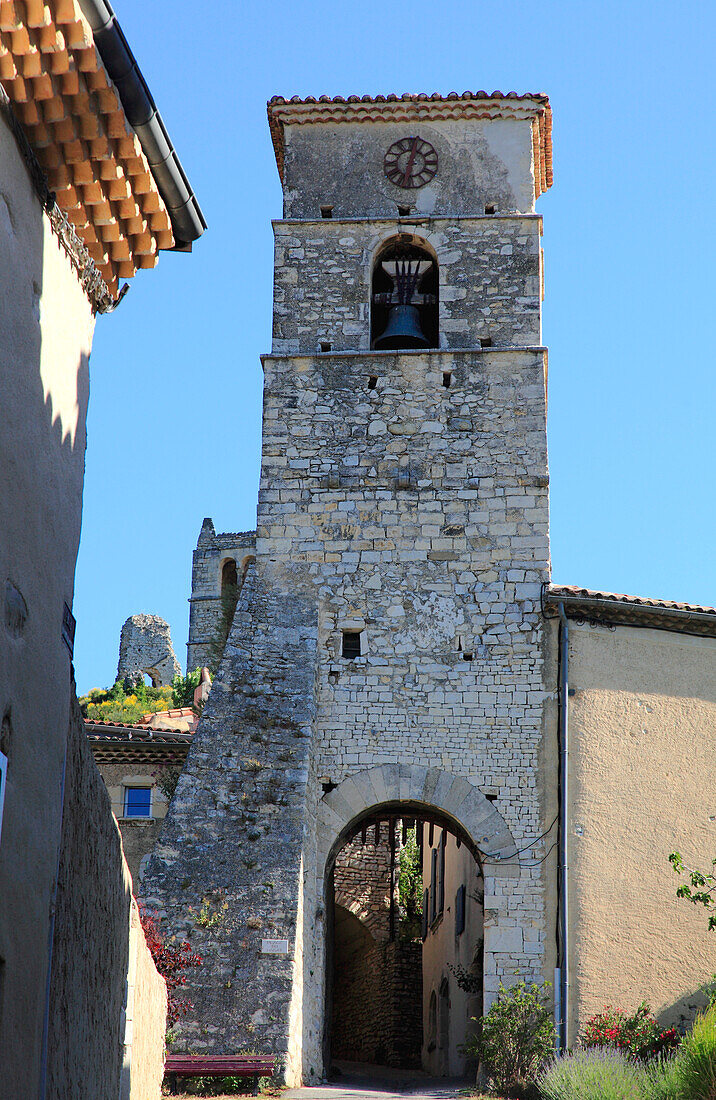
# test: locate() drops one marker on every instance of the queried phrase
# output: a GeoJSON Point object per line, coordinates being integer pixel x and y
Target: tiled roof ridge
{"type": "Point", "coordinates": [145, 732]}
{"type": "Point", "coordinates": [555, 590]}
{"type": "Point", "coordinates": [174, 712]}
{"type": "Point", "coordinates": [412, 105]}
{"type": "Point", "coordinates": [422, 97]}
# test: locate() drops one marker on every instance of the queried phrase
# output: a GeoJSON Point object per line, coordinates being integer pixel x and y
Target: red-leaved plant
{"type": "Point", "coordinates": [638, 1034]}
{"type": "Point", "coordinates": [171, 960]}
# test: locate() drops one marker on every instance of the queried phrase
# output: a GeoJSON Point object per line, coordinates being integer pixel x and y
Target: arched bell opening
{"type": "Point", "coordinates": [404, 296]}
{"type": "Point", "coordinates": [398, 921]}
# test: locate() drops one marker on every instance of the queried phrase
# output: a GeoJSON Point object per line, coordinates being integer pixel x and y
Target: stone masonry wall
{"type": "Point", "coordinates": [490, 280]}
{"type": "Point", "coordinates": [205, 609]}
{"type": "Point", "coordinates": [421, 514]}
{"type": "Point", "coordinates": [361, 879]}
{"type": "Point", "coordinates": [235, 830]}
{"type": "Point", "coordinates": [145, 645]}
{"type": "Point", "coordinates": [377, 1006]}
{"type": "Point", "coordinates": [91, 950]}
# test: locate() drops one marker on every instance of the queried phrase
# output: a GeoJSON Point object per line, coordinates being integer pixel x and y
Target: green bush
{"type": "Point", "coordinates": [598, 1074]}
{"type": "Point", "coordinates": [693, 1072]}
{"type": "Point", "coordinates": [515, 1038]}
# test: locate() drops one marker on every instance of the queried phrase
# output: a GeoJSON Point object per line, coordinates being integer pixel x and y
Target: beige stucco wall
{"type": "Point", "coordinates": [139, 835]}
{"type": "Point", "coordinates": [46, 325]}
{"type": "Point", "coordinates": [443, 949]}
{"type": "Point", "coordinates": [643, 756]}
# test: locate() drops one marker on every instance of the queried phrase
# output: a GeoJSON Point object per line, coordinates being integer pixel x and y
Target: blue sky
{"type": "Point", "coordinates": [175, 404]}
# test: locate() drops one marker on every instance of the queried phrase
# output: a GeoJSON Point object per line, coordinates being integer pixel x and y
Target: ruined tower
{"type": "Point", "coordinates": [387, 649]}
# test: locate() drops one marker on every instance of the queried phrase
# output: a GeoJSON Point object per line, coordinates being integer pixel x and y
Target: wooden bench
{"type": "Point", "coordinates": [221, 1065]}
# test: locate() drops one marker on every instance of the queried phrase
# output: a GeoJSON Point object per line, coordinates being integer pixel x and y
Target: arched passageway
{"type": "Point", "coordinates": [395, 970]}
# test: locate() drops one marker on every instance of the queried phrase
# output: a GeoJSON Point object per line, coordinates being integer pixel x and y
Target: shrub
{"type": "Point", "coordinates": [171, 960]}
{"type": "Point", "coordinates": [183, 688]}
{"type": "Point", "coordinates": [694, 1067]}
{"type": "Point", "coordinates": [595, 1075]}
{"type": "Point", "coordinates": [516, 1037]}
{"type": "Point", "coordinates": [638, 1034]}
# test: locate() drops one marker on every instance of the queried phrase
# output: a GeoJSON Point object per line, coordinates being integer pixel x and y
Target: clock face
{"type": "Point", "coordinates": [410, 162]}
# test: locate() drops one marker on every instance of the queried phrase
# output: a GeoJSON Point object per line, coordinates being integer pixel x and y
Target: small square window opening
{"type": "Point", "coordinates": [490, 209]}
{"type": "Point", "coordinates": [372, 382]}
{"type": "Point", "coordinates": [403, 211]}
{"type": "Point", "coordinates": [351, 644]}
{"type": "Point", "coordinates": [325, 345]}
{"type": "Point", "coordinates": [326, 211]}
{"type": "Point", "coordinates": [137, 802]}
{"type": "Point", "coordinates": [485, 341]}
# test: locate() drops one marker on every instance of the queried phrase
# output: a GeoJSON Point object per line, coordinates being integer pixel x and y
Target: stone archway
{"type": "Point", "coordinates": [410, 787]}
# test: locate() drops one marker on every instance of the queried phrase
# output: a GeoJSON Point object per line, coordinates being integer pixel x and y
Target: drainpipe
{"type": "Point", "coordinates": [562, 991]}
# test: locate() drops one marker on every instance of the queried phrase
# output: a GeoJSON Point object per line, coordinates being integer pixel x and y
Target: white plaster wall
{"type": "Point", "coordinates": [46, 333]}
{"type": "Point", "coordinates": [643, 756]}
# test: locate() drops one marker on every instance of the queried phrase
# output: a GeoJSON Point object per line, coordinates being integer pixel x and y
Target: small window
{"type": "Point", "coordinates": [485, 342]}
{"type": "Point", "coordinates": [326, 211]}
{"type": "Point", "coordinates": [372, 382]}
{"type": "Point", "coordinates": [403, 211]}
{"type": "Point", "coordinates": [460, 911]}
{"type": "Point", "coordinates": [441, 873]}
{"type": "Point", "coordinates": [426, 902]}
{"type": "Point", "coordinates": [447, 378]}
{"type": "Point", "coordinates": [325, 345]}
{"type": "Point", "coordinates": [433, 884]}
{"type": "Point", "coordinates": [490, 209]}
{"type": "Point", "coordinates": [137, 801]}
{"type": "Point", "coordinates": [351, 644]}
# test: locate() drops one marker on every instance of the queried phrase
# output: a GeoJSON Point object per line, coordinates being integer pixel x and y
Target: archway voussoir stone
{"type": "Point", "coordinates": [379, 784]}
{"type": "Point", "coordinates": [460, 789]}
{"type": "Point", "coordinates": [417, 782]}
{"type": "Point", "coordinates": [431, 782]}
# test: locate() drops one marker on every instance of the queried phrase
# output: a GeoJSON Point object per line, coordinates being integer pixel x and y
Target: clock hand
{"type": "Point", "coordinates": [413, 151]}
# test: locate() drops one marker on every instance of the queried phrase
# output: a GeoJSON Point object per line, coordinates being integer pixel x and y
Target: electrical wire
{"type": "Point", "coordinates": [503, 859]}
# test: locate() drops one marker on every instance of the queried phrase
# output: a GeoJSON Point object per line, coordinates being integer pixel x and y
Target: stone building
{"type": "Point", "coordinates": [90, 191]}
{"type": "Point", "coordinates": [397, 647]}
{"type": "Point", "coordinates": [145, 649]}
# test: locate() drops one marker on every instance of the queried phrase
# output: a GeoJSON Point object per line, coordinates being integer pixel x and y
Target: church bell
{"type": "Point", "coordinates": [402, 331]}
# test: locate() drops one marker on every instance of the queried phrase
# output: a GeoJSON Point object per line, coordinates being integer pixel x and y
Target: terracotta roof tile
{"type": "Point", "coordinates": [588, 603]}
{"type": "Point", "coordinates": [411, 106]}
{"type": "Point", "coordinates": [73, 119]}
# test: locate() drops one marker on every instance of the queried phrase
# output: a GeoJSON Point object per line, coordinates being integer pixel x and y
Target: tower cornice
{"type": "Point", "coordinates": [414, 107]}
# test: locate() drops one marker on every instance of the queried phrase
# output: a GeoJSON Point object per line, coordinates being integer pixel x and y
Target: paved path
{"type": "Point", "coordinates": [359, 1082]}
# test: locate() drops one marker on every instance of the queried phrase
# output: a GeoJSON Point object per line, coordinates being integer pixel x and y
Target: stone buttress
{"type": "Point", "coordinates": [387, 648]}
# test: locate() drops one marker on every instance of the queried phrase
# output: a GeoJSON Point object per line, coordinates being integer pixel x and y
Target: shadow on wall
{"type": "Point", "coordinates": [73, 1041]}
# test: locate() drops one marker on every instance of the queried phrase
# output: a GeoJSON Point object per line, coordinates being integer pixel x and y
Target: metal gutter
{"type": "Point", "coordinates": [619, 612]}
{"type": "Point", "coordinates": [187, 220]}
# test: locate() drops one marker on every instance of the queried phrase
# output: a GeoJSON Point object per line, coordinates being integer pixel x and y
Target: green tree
{"type": "Point", "coordinates": [700, 887]}
{"type": "Point", "coordinates": [410, 885]}
{"type": "Point", "coordinates": [183, 688]}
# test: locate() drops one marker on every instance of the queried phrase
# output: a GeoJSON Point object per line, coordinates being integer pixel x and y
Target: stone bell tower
{"type": "Point", "coordinates": [387, 649]}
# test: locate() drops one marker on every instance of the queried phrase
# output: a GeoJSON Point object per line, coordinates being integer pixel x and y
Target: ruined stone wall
{"type": "Point", "coordinates": [377, 1005]}
{"type": "Point", "coordinates": [145, 645]}
{"type": "Point", "coordinates": [235, 830]}
{"type": "Point", "coordinates": [490, 278]}
{"type": "Point", "coordinates": [91, 947]}
{"type": "Point", "coordinates": [205, 610]}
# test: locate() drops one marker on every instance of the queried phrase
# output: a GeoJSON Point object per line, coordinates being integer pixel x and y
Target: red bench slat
{"type": "Point", "coordinates": [219, 1065]}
